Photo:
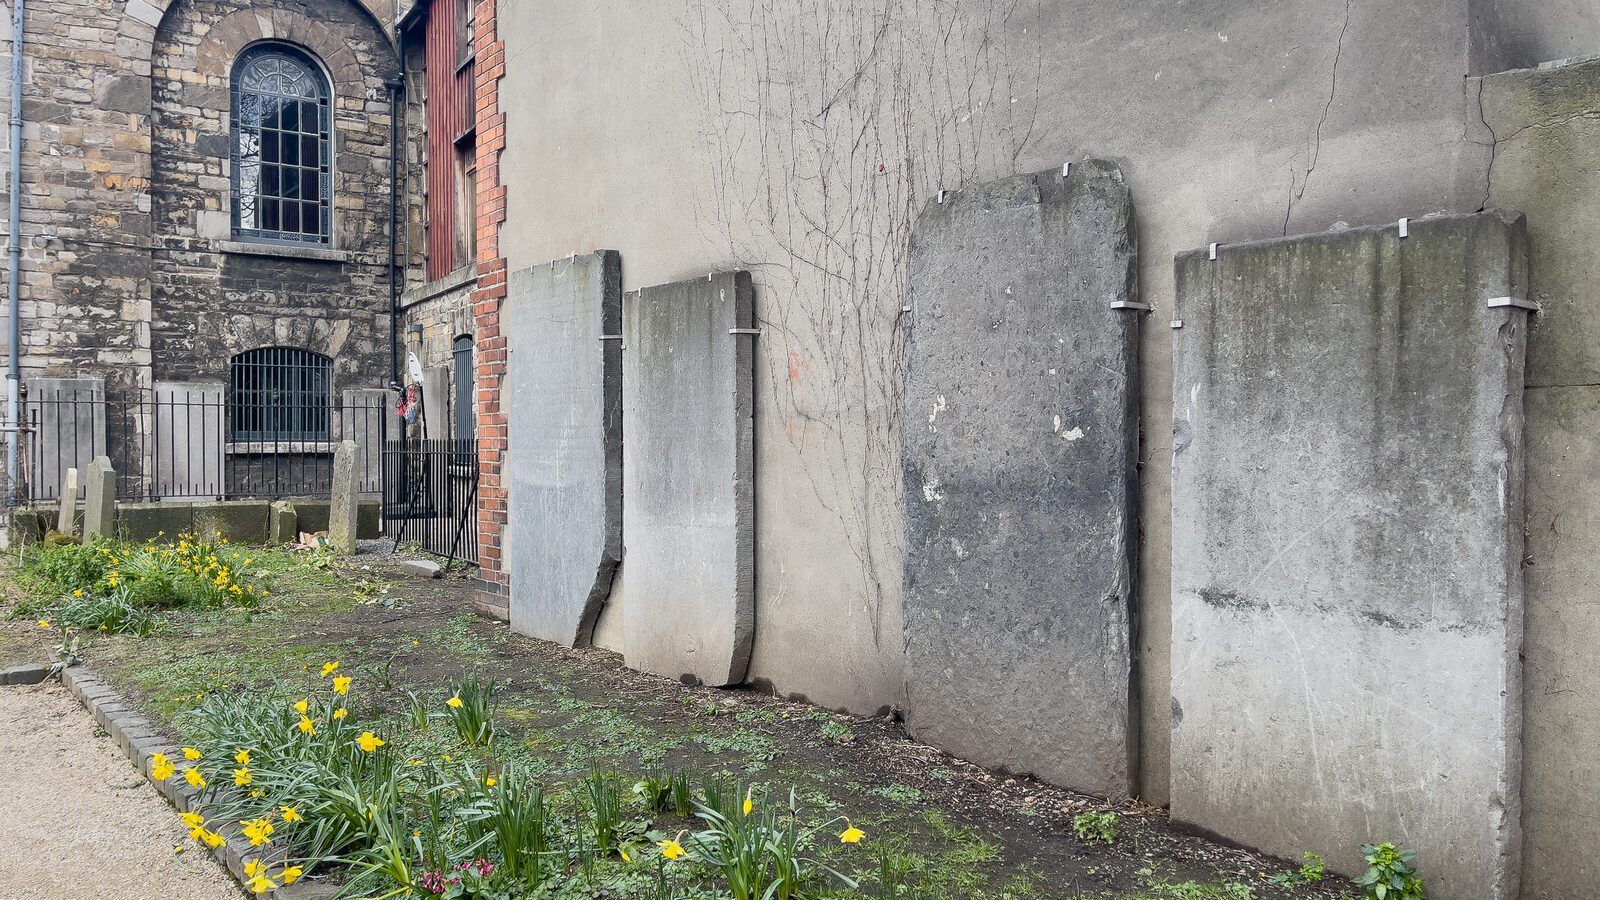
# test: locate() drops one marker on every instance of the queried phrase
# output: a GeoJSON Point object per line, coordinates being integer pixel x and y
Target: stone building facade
{"type": "Point", "coordinates": [207, 202]}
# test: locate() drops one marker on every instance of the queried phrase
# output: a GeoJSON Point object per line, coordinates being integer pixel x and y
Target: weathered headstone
{"type": "Point", "coordinates": [100, 499]}
{"type": "Point", "coordinates": [67, 519]}
{"type": "Point", "coordinates": [1021, 444]}
{"type": "Point", "coordinates": [186, 461]}
{"type": "Point", "coordinates": [69, 419]}
{"type": "Point", "coordinates": [342, 505]}
{"type": "Point", "coordinates": [562, 324]}
{"type": "Point", "coordinates": [688, 478]}
{"type": "Point", "coordinates": [1347, 546]}
{"type": "Point", "coordinates": [283, 524]}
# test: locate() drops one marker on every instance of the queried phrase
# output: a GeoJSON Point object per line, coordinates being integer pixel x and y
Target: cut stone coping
{"type": "Point", "coordinates": [139, 738]}
{"type": "Point", "coordinates": [25, 674]}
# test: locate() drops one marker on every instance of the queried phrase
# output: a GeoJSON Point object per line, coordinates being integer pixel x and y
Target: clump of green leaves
{"type": "Point", "coordinates": [604, 795]}
{"type": "Point", "coordinates": [1090, 826]}
{"type": "Point", "coordinates": [471, 710]}
{"type": "Point", "coordinates": [115, 612]}
{"type": "Point", "coordinates": [1312, 869]}
{"type": "Point", "coordinates": [1391, 874]}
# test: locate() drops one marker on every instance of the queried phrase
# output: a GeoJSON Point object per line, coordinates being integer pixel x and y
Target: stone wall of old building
{"type": "Point", "coordinates": [214, 296]}
{"type": "Point", "coordinates": [125, 193]}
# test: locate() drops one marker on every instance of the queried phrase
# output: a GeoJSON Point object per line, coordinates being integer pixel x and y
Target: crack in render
{"type": "Point", "coordinates": [1316, 147]}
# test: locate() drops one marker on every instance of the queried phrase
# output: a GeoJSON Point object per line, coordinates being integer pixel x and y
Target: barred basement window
{"type": "Point", "coordinates": [280, 394]}
{"type": "Point", "coordinates": [282, 172]}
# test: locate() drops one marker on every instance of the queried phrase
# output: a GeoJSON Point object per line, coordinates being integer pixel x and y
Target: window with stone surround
{"type": "Point", "coordinates": [280, 394]}
{"type": "Point", "coordinates": [282, 167]}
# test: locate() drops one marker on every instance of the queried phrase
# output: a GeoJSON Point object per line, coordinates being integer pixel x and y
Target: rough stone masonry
{"type": "Point", "coordinates": [1021, 441]}
{"type": "Point", "coordinates": [1347, 543]}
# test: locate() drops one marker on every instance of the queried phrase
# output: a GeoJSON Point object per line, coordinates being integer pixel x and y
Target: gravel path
{"type": "Point", "coordinates": [77, 822]}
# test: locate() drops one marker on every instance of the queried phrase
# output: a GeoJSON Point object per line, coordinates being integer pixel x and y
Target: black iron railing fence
{"type": "Point", "coordinates": [430, 495]}
{"type": "Point", "coordinates": [176, 444]}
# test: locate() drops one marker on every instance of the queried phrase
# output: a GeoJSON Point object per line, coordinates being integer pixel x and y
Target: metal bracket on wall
{"type": "Point", "coordinates": [1405, 228]}
{"type": "Point", "coordinates": [756, 331]}
{"type": "Point", "coordinates": [1177, 323]}
{"type": "Point", "coordinates": [1066, 169]}
{"type": "Point", "coordinates": [1214, 250]}
{"type": "Point", "coordinates": [1517, 302]}
{"type": "Point", "coordinates": [1130, 304]}
{"type": "Point", "coordinates": [615, 337]}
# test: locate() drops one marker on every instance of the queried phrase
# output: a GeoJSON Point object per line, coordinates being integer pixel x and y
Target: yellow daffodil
{"type": "Point", "coordinates": [242, 757]}
{"type": "Point", "coordinates": [340, 713]}
{"type": "Point", "coordinates": [447, 757]}
{"type": "Point", "coordinates": [306, 726]}
{"type": "Point", "coordinates": [749, 804]}
{"type": "Point", "coordinates": [242, 777]}
{"type": "Point", "coordinates": [257, 830]}
{"type": "Point", "coordinates": [212, 839]}
{"type": "Point", "coordinates": [160, 767]}
{"type": "Point", "coordinates": [191, 754]}
{"type": "Point", "coordinates": [329, 667]}
{"type": "Point", "coordinates": [671, 849]}
{"type": "Point", "coordinates": [301, 706]}
{"type": "Point", "coordinates": [78, 593]}
{"type": "Point", "coordinates": [369, 742]}
{"type": "Point", "coordinates": [254, 867]}
{"type": "Point", "coordinates": [489, 782]}
{"type": "Point", "coordinates": [624, 853]}
{"type": "Point", "coordinates": [257, 794]}
{"type": "Point", "coordinates": [851, 834]}
{"type": "Point", "coordinates": [291, 874]}
{"type": "Point", "coordinates": [413, 762]}
{"type": "Point", "coordinates": [44, 623]}
{"type": "Point", "coordinates": [454, 702]}
{"type": "Point", "coordinates": [290, 814]}
{"type": "Point", "coordinates": [192, 819]}
{"type": "Point", "coordinates": [260, 884]}
{"type": "Point", "coordinates": [197, 833]}
{"type": "Point", "coordinates": [193, 776]}
{"type": "Point", "coordinates": [341, 685]}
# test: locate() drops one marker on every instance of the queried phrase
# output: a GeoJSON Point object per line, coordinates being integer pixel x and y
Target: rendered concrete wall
{"type": "Point", "coordinates": [1347, 543]}
{"type": "Point", "coordinates": [1021, 444]}
{"type": "Point", "coordinates": [1510, 34]}
{"type": "Point", "coordinates": [688, 479]}
{"type": "Point", "coordinates": [561, 321]}
{"type": "Point", "coordinates": [1548, 126]}
{"type": "Point", "coordinates": [1231, 120]}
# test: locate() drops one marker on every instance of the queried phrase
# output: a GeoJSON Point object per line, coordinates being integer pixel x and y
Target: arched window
{"type": "Point", "coordinates": [282, 170]}
{"type": "Point", "coordinates": [280, 394]}
{"type": "Point", "coordinates": [466, 390]}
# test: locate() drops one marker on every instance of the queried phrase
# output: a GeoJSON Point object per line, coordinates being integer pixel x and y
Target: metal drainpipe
{"type": "Point", "coordinates": [394, 224]}
{"type": "Point", "coordinates": [14, 254]}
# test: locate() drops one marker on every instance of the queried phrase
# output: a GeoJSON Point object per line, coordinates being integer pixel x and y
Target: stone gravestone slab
{"type": "Point", "coordinates": [67, 518]}
{"type": "Point", "coordinates": [100, 499]}
{"type": "Point", "coordinates": [562, 323]}
{"type": "Point", "coordinates": [282, 523]}
{"type": "Point", "coordinates": [1021, 440]}
{"type": "Point", "coordinates": [68, 416]}
{"type": "Point", "coordinates": [1347, 543]}
{"type": "Point", "coordinates": [688, 478]}
{"type": "Point", "coordinates": [343, 505]}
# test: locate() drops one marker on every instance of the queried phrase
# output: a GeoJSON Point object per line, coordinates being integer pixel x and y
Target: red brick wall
{"type": "Point", "coordinates": [486, 299]}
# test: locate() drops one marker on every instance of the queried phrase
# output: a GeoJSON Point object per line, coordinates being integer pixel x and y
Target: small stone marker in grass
{"type": "Point", "coordinates": [281, 523]}
{"type": "Point", "coordinates": [100, 499]}
{"type": "Point", "coordinates": [342, 506]}
{"type": "Point", "coordinates": [67, 521]}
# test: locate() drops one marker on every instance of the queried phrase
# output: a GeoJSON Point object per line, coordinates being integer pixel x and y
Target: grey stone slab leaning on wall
{"type": "Point", "coordinates": [688, 478]}
{"type": "Point", "coordinates": [1021, 441]}
{"type": "Point", "coordinates": [1347, 542]}
{"type": "Point", "coordinates": [564, 466]}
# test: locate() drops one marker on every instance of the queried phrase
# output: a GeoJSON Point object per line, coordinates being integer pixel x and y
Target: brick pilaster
{"type": "Point", "coordinates": [490, 356]}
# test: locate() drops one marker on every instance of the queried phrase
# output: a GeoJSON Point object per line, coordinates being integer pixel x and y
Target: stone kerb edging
{"type": "Point", "coordinates": [139, 738]}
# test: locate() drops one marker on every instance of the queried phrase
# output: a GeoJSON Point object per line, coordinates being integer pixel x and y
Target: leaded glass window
{"type": "Point", "coordinates": [282, 175]}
